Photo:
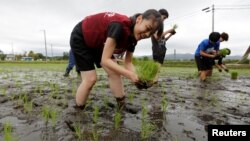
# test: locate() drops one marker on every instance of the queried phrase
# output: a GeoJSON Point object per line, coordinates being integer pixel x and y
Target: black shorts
{"type": "Point", "coordinates": [204, 63]}
{"type": "Point", "coordinates": [159, 53]}
{"type": "Point", "coordinates": [86, 58]}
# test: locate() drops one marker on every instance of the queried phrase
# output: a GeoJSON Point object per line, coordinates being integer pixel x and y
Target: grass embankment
{"type": "Point", "coordinates": [185, 67]}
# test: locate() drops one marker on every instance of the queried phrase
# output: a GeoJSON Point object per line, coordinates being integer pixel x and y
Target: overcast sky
{"type": "Point", "coordinates": [22, 23]}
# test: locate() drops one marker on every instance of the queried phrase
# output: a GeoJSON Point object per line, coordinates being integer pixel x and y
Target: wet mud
{"type": "Point", "coordinates": [40, 106]}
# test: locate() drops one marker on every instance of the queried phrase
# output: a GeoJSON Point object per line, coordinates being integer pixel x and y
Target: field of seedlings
{"type": "Point", "coordinates": [37, 103]}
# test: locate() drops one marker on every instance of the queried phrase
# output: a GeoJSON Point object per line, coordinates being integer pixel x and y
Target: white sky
{"type": "Point", "coordinates": [22, 22]}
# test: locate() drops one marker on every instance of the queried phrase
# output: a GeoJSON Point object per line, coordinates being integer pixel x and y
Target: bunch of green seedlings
{"type": "Point", "coordinates": [234, 75]}
{"type": "Point", "coordinates": [224, 52]}
{"type": "Point", "coordinates": [147, 72]}
{"type": "Point", "coordinates": [49, 114]}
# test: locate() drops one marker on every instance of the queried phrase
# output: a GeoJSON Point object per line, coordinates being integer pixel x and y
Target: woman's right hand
{"type": "Point", "coordinates": [133, 77]}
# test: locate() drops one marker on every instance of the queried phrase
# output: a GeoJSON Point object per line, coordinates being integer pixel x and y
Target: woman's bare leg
{"type": "Point", "coordinates": [88, 81]}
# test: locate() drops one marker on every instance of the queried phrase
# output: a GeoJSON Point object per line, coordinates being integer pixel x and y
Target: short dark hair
{"type": "Point", "coordinates": [214, 37]}
{"type": "Point", "coordinates": [164, 12]}
{"type": "Point", "coordinates": [224, 36]}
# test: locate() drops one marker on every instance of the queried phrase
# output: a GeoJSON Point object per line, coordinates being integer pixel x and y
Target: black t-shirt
{"type": "Point", "coordinates": [115, 30]}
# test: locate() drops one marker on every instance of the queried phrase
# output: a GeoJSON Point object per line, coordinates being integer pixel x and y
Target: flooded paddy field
{"type": "Point", "coordinates": [37, 103]}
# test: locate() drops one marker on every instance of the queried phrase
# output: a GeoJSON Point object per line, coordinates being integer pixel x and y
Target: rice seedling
{"type": "Point", "coordinates": [78, 130]}
{"type": "Point", "coordinates": [8, 131]}
{"type": "Point", "coordinates": [96, 114]}
{"type": "Point", "coordinates": [46, 113]}
{"type": "Point", "coordinates": [147, 127]}
{"type": "Point", "coordinates": [176, 138]}
{"type": "Point", "coordinates": [4, 91]}
{"type": "Point", "coordinates": [95, 135]}
{"type": "Point", "coordinates": [234, 75]}
{"type": "Point", "coordinates": [8, 135]}
{"type": "Point", "coordinates": [131, 96]}
{"type": "Point", "coordinates": [106, 100]}
{"type": "Point", "coordinates": [117, 118]}
{"type": "Point", "coordinates": [49, 113]}
{"type": "Point", "coordinates": [28, 106]}
{"type": "Point", "coordinates": [164, 103]}
{"type": "Point", "coordinates": [53, 116]}
{"type": "Point", "coordinates": [214, 101]}
{"type": "Point", "coordinates": [147, 72]}
{"type": "Point", "coordinates": [175, 26]}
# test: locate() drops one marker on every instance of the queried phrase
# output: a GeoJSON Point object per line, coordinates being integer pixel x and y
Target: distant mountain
{"type": "Point", "coordinates": [191, 56]}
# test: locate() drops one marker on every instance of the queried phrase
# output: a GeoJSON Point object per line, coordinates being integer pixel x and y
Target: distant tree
{"type": "Point", "coordinates": [31, 54]}
{"type": "Point", "coordinates": [2, 56]}
{"type": "Point", "coordinates": [65, 55]}
{"type": "Point", "coordinates": [18, 56]}
{"type": "Point", "coordinates": [145, 58]}
{"type": "Point", "coordinates": [39, 56]}
{"type": "Point", "coordinates": [25, 54]}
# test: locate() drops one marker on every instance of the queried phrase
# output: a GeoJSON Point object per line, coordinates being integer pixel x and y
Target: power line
{"type": "Point", "coordinates": [233, 5]}
{"type": "Point", "coordinates": [232, 8]}
{"type": "Point", "coordinates": [191, 14]}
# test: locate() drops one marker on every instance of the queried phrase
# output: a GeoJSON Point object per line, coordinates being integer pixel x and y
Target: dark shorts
{"type": "Point", "coordinates": [159, 53]}
{"type": "Point", "coordinates": [204, 63]}
{"type": "Point", "coordinates": [86, 58]}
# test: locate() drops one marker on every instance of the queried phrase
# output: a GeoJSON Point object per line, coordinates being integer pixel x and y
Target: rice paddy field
{"type": "Point", "coordinates": [37, 103]}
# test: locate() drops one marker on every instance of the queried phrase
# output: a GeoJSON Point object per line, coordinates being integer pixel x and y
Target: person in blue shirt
{"type": "Point", "coordinates": [71, 64]}
{"type": "Point", "coordinates": [207, 50]}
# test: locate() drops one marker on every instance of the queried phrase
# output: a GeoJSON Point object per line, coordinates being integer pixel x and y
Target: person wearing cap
{"type": "Point", "coordinates": [159, 41]}
{"type": "Point", "coordinates": [205, 53]}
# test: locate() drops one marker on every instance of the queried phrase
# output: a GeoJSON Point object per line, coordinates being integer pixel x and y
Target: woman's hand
{"type": "Point", "coordinates": [133, 77]}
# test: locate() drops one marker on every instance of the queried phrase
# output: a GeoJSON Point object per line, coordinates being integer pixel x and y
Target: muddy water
{"type": "Point", "coordinates": [191, 106]}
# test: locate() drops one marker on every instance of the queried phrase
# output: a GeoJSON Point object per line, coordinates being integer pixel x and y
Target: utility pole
{"type": "Point", "coordinates": [13, 50]}
{"type": "Point", "coordinates": [213, 18]}
{"type": "Point", "coordinates": [45, 43]}
{"type": "Point", "coordinates": [174, 54]}
{"type": "Point", "coordinates": [208, 9]}
{"type": "Point", "coordinates": [51, 52]}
